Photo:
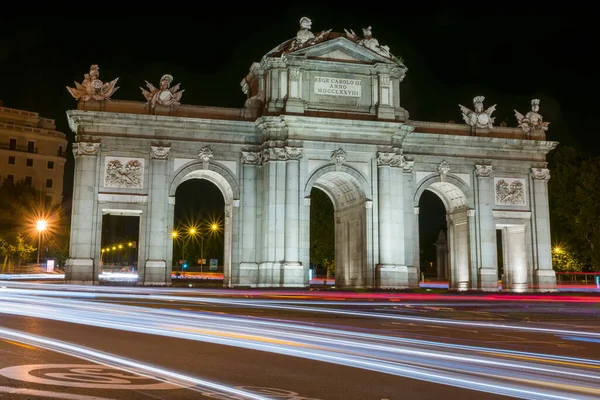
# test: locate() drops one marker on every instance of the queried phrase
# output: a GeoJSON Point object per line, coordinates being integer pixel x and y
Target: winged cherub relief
{"type": "Point", "coordinates": [478, 118]}
{"type": "Point", "coordinates": [93, 88]}
{"type": "Point", "coordinates": [532, 121]}
{"type": "Point", "coordinates": [165, 95]}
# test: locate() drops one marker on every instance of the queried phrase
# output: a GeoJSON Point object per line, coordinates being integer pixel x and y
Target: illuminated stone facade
{"type": "Point", "coordinates": [322, 111]}
{"type": "Point", "coordinates": [32, 151]}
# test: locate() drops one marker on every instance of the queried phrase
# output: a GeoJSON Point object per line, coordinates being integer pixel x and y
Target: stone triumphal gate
{"type": "Point", "coordinates": [322, 111]}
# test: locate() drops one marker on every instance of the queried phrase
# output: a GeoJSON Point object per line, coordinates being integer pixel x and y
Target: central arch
{"type": "Point", "coordinates": [224, 179]}
{"type": "Point", "coordinates": [455, 196]}
{"type": "Point", "coordinates": [345, 187]}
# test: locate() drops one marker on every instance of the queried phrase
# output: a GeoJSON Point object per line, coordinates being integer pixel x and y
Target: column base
{"type": "Point", "coordinates": [544, 280]}
{"type": "Point", "coordinates": [391, 276]}
{"type": "Point", "coordinates": [295, 106]}
{"type": "Point", "coordinates": [278, 274]}
{"type": "Point", "coordinates": [488, 280]}
{"type": "Point", "coordinates": [155, 274]}
{"type": "Point", "coordinates": [248, 275]}
{"type": "Point", "coordinates": [80, 271]}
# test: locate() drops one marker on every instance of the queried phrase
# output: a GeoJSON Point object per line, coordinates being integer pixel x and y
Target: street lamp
{"type": "Point", "coordinates": [41, 226]}
{"type": "Point", "coordinates": [214, 228]}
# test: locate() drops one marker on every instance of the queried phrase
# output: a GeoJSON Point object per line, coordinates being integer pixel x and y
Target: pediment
{"type": "Point", "coordinates": [341, 49]}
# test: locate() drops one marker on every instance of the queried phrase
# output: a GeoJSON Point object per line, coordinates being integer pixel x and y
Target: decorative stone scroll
{"type": "Point", "coordinates": [478, 118]}
{"type": "Point", "coordinates": [542, 174]}
{"type": "Point", "coordinates": [160, 152]}
{"type": "Point", "coordinates": [251, 157]}
{"type": "Point", "coordinates": [408, 166]}
{"type": "Point", "coordinates": [483, 171]}
{"type": "Point", "coordinates": [389, 159]}
{"type": "Point", "coordinates": [532, 121]}
{"type": "Point", "coordinates": [205, 154]}
{"type": "Point", "coordinates": [121, 172]}
{"type": "Point", "coordinates": [86, 149]}
{"type": "Point", "coordinates": [338, 156]}
{"type": "Point", "coordinates": [510, 191]}
{"type": "Point", "coordinates": [443, 167]}
{"type": "Point", "coordinates": [92, 88]}
{"type": "Point", "coordinates": [293, 153]}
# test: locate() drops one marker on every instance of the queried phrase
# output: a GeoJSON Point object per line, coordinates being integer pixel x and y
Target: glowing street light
{"type": "Point", "coordinates": [41, 226]}
{"type": "Point", "coordinates": [214, 227]}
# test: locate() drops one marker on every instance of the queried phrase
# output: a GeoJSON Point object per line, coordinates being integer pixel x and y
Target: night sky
{"type": "Point", "coordinates": [507, 54]}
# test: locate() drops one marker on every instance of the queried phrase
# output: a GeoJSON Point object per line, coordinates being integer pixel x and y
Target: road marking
{"type": "Point", "coordinates": [21, 345]}
{"type": "Point", "coordinates": [90, 376]}
{"type": "Point", "coordinates": [48, 395]}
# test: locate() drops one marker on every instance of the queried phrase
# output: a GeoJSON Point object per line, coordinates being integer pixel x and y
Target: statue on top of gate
{"type": "Point", "coordinates": [305, 37]}
{"type": "Point", "coordinates": [532, 121]}
{"type": "Point", "coordinates": [165, 95]}
{"type": "Point", "coordinates": [478, 118]}
{"type": "Point", "coordinates": [93, 88]}
{"type": "Point", "coordinates": [369, 42]}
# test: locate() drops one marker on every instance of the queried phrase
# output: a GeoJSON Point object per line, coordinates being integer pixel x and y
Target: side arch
{"type": "Point", "coordinates": [329, 168]}
{"type": "Point", "coordinates": [453, 191]}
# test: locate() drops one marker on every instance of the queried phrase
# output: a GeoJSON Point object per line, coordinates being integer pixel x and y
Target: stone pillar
{"type": "Point", "coordinates": [487, 268]}
{"type": "Point", "coordinates": [458, 228]}
{"type": "Point", "coordinates": [273, 222]}
{"type": "Point", "coordinates": [294, 103]}
{"type": "Point", "coordinates": [156, 271]}
{"type": "Point", "coordinates": [410, 224]}
{"type": "Point", "coordinates": [292, 268]}
{"type": "Point", "coordinates": [545, 277]}
{"type": "Point", "coordinates": [248, 273]}
{"type": "Point", "coordinates": [515, 265]}
{"type": "Point", "coordinates": [80, 265]}
{"type": "Point", "coordinates": [441, 248]}
{"type": "Point", "coordinates": [385, 110]}
{"type": "Point", "coordinates": [392, 267]}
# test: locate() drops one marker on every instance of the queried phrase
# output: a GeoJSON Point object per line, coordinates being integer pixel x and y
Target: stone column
{"type": "Point", "coordinates": [485, 198]}
{"type": "Point", "coordinates": [248, 274]}
{"type": "Point", "coordinates": [294, 103]}
{"type": "Point", "coordinates": [545, 278]}
{"type": "Point", "coordinates": [80, 265]}
{"type": "Point", "coordinates": [155, 270]}
{"type": "Point", "coordinates": [273, 214]}
{"type": "Point", "coordinates": [410, 224]}
{"type": "Point", "coordinates": [392, 268]}
{"type": "Point", "coordinates": [292, 268]}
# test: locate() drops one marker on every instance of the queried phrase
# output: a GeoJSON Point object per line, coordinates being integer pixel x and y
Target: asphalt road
{"type": "Point", "coordinates": [69, 342]}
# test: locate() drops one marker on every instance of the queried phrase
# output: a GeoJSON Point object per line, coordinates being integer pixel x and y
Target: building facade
{"type": "Point", "coordinates": [33, 151]}
{"type": "Point", "coordinates": [323, 111]}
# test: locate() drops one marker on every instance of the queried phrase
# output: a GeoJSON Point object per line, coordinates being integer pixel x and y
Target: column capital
{"type": "Point", "coordinates": [86, 149]}
{"type": "Point", "coordinates": [252, 157]}
{"type": "Point", "coordinates": [160, 152]}
{"type": "Point", "coordinates": [483, 170]}
{"type": "Point", "coordinates": [386, 159]}
{"type": "Point", "coordinates": [541, 174]}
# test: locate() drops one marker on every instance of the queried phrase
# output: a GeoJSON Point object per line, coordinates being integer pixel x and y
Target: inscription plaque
{"type": "Point", "coordinates": [329, 86]}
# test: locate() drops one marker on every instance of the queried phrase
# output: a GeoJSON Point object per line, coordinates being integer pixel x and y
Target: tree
{"type": "Point", "coordinates": [574, 193]}
{"type": "Point", "coordinates": [565, 261]}
{"type": "Point", "coordinates": [18, 250]}
{"type": "Point", "coordinates": [322, 248]}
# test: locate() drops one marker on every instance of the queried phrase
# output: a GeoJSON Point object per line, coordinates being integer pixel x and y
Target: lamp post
{"type": "Point", "coordinates": [40, 226]}
{"type": "Point", "coordinates": [214, 228]}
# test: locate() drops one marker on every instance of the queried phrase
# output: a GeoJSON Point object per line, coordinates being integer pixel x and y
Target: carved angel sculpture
{"type": "Point", "coordinates": [532, 121]}
{"type": "Point", "coordinates": [478, 118]}
{"type": "Point", "coordinates": [165, 95]}
{"type": "Point", "coordinates": [93, 88]}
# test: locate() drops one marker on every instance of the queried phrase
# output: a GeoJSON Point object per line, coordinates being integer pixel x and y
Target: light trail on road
{"type": "Point", "coordinates": [511, 373]}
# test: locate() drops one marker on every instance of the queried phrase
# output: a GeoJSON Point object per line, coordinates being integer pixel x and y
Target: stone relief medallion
{"type": "Point", "coordinates": [122, 172]}
{"type": "Point", "coordinates": [338, 156]}
{"type": "Point", "coordinates": [510, 191]}
{"type": "Point", "coordinates": [160, 152]}
{"type": "Point", "coordinates": [443, 167]}
{"type": "Point", "coordinates": [205, 154]}
{"type": "Point", "coordinates": [86, 149]}
{"type": "Point", "coordinates": [251, 157]}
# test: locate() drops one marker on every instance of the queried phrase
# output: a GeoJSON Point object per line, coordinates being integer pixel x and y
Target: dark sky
{"type": "Point", "coordinates": [507, 54]}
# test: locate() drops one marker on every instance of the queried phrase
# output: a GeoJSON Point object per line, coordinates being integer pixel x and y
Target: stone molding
{"type": "Point", "coordinates": [338, 156]}
{"type": "Point", "coordinates": [389, 159]}
{"type": "Point", "coordinates": [542, 174]}
{"type": "Point", "coordinates": [205, 154]}
{"type": "Point", "coordinates": [484, 171]}
{"type": "Point", "coordinates": [160, 152]}
{"type": "Point", "coordinates": [251, 157]}
{"type": "Point", "coordinates": [86, 149]}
